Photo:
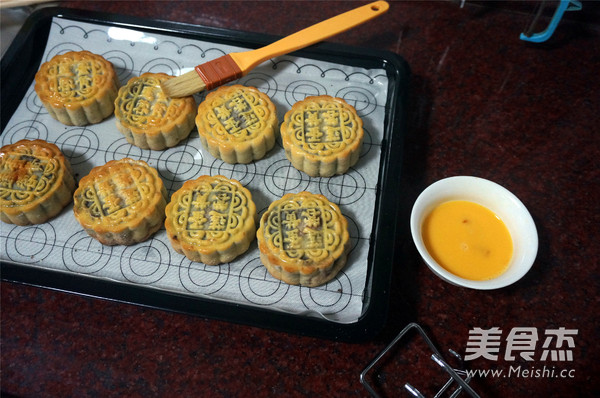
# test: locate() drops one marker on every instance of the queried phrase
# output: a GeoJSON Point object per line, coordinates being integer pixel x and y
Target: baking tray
{"type": "Point", "coordinates": [21, 62]}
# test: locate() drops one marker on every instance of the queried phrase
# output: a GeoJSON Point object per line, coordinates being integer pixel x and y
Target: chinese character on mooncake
{"type": "Point", "coordinates": [303, 239]}
{"type": "Point", "coordinates": [36, 182]}
{"type": "Point", "coordinates": [148, 118]}
{"type": "Point", "coordinates": [121, 203]}
{"type": "Point", "coordinates": [237, 124]}
{"type": "Point", "coordinates": [77, 88]}
{"type": "Point", "coordinates": [211, 220]}
{"type": "Point", "coordinates": [322, 136]}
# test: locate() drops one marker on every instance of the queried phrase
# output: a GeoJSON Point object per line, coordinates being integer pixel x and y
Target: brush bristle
{"type": "Point", "coordinates": [182, 86]}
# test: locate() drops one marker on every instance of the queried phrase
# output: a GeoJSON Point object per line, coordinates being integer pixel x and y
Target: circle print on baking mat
{"type": "Point", "coordinates": [122, 62]}
{"type": "Point", "coordinates": [120, 149]}
{"type": "Point", "coordinates": [328, 299]}
{"type": "Point", "coordinates": [281, 177]}
{"type": "Point", "coordinates": [354, 231]}
{"type": "Point", "coordinates": [25, 130]}
{"type": "Point", "coordinates": [344, 189]}
{"type": "Point", "coordinates": [367, 144]}
{"type": "Point", "coordinates": [244, 173]}
{"type": "Point", "coordinates": [161, 65]}
{"type": "Point", "coordinates": [62, 48]}
{"type": "Point", "coordinates": [146, 262]}
{"type": "Point", "coordinates": [34, 104]}
{"type": "Point", "coordinates": [30, 244]}
{"type": "Point", "coordinates": [78, 145]}
{"type": "Point", "coordinates": [179, 164]}
{"type": "Point", "coordinates": [84, 254]}
{"type": "Point", "coordinates": [258, 286]}
{"type": "Point", "coordinates": [199, 278]}
{"type": "Point", "coordinates": [263, 82]}
{"type": "Point", "coordinates": [360, 98]}
{"type": "Point", "coordinates": [300, 89]}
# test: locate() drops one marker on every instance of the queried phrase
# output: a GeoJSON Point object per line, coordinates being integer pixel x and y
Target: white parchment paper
{"type": "Point", "coordinates": [62, 245]}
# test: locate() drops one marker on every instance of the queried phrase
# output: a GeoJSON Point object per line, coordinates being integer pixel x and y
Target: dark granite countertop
{"type": "Point", "coordinates": [483, 103]}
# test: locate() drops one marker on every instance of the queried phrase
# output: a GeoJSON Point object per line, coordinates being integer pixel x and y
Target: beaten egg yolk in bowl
{"type": "Point", "coordinates": [473, 232]}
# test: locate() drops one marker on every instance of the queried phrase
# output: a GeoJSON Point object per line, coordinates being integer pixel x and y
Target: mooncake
{"type": "Point", "coordinates": [36, 182]}
{"type": "Point", "coordinates": [322, 136]}
{"type": "Point", "coordinates": [148, 118]}
{"type": "Point", "coordinates": [77, 88]}
{"type": "Point", "coordinates": [211, 219]}
{"type": "Point", "coordinates": [121, 202]}
{"type": "Point", "coordinates": [303, 239]}
{"type": "Point", "coordinates": [237, 124]}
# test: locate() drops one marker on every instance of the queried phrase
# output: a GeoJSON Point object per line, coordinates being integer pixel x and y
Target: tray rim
{"type": "Point", "coordinates": [27, 47]}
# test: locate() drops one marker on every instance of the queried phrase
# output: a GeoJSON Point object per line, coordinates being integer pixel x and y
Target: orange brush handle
{"type": "Point", "coordinates": [311, 35]}
{"type": "Point", "coordinates": [232, 66]}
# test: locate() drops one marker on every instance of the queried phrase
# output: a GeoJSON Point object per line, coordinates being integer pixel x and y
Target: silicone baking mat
{"type": "Point", "coordinates": [61, 244]}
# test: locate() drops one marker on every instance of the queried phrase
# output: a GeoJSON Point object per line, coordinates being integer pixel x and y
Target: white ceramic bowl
{"type": "Point", "coordinates": [496, 198]}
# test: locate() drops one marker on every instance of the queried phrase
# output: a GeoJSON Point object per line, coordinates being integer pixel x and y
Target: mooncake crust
{"type": "Point", "coordinates": [303, 239]}
{"type": "Point", "coordinates": [148, 118]}
{"type": "Point", "coordinates": [77, 88]}
{"type": "Point", "coordinates": [211, 220]}
{"type": "Point", "coordinates": [121, 202]}
{"type": "Point", "coordinates": [322, 136]}
{"type": "Point", "coordinates": [36, 182]}
{"type": "Point", "coordinates": [237, 124]}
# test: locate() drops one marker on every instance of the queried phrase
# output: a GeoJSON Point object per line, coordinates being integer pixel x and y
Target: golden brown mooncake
{"type": "Point", "coordinates": [77, 88]}
{"type": "Point", "coordinates": [237, 124]}
{"type": "Point", "coordinates": [303, 239]}
{"type": "Point", "coordinates": [148, 118]}
{"type": "Point", "coordinates": [36, 182]}
{"type": "Point", "coordinates": [322, 136]}
{"type": "Point", "coordinates": [121, 203]}
{"type": "Point", "coordinates": [211, 220]}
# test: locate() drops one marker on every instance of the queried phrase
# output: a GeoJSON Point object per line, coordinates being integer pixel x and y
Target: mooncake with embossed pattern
{"type": "Point", "coordinates": [303, 239]}
{"type": "Point", "coordinates": [237, 124]}
{"type": "Point", "coordinates": [121, 202]}
{"type": "Point", "coordinates": [322, 136]}
{"type": "Point", "coordinates": [211, 219]}
{"type": "Point", "coordinates": [36, 182]}
{"type": "Point", "coordinates": [148, 118]}
{"type": "Point", "coordinates": [77, 88]}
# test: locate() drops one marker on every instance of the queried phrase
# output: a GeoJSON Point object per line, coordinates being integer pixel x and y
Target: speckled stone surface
{"type": "Point", "coordinates": [483, 103]}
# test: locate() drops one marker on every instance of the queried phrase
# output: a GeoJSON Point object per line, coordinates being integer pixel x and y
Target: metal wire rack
{"type": "Point", "coordinates": [457, 376]}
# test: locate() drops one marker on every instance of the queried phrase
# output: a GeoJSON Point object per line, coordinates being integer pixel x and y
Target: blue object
{"type": "Point", "coordinates": [565, 5]}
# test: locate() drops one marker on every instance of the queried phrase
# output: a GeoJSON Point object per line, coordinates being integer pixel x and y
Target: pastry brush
{"type": "Point", "coordinates": [234, 65]}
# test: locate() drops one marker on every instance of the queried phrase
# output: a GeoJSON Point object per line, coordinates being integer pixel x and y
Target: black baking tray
{"type": "Point", "coordinates": [18, 68]}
